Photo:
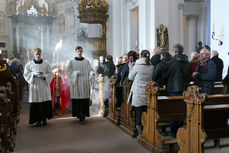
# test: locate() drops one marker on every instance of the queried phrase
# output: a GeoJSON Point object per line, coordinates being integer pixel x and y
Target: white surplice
{"type": "Point", "coordinates": [39, 89]}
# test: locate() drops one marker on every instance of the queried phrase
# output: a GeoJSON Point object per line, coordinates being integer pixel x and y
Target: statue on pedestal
{"type": "Point", "coordinates": [162, 37]}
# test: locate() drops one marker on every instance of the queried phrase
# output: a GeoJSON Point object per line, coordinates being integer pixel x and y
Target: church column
{"type": "Point", "coordinates": [17, 38]}
{"type": "Point", "coordinates": [142, 25]}
{"type": "Point", "coordinates": [180, 20]}
{"type": "Point", "coordinates": [50, 40]}
{"type": "Point", "coordinates": [192, 33]}
{"type": "Point", "coordinates": [14, 35]}
{"type": "Point", "coordinates": [47, 38]}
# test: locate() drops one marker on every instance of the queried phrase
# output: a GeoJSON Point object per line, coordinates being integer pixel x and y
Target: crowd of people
{"type": "Point", "coordinates": [78, 83]}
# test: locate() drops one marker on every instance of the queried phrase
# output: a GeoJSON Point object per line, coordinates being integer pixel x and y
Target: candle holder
{"type": "Point", "coordinates": [220, 43]}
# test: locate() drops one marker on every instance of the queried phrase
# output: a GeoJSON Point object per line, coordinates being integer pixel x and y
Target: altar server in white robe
{"type": "Point", "coordinates": [39, 75]}
{"type": "Point", "coordinates": [79, 73]}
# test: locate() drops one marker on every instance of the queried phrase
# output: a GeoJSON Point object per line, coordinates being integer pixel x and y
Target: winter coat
{"type": "Point", "coordinates": [177, 74]}
{"type": "Point", "coordinates": [219, 67]}
{"type": "Point", "coordinates": [140, 74]}
{"type": "Point", "coordinates": [109, 69]}
{"type": "Point", "coordinates": [206, 76]}
{"type": "Point", "coordinates": [124, 73]}
{"type": "Point", "coordinates": [158, 73]}
{"type": "Point", "coordinates": [155, 59]}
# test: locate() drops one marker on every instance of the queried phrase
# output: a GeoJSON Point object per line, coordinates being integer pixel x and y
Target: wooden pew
{"type": "Point", "coordinates": [207, 118]}
{"type": "Point", "coordinates": [9, 110]}
{"type": "Point", "coordinates": [160, 108]}
{"type": "Point", "coordinates": [114, 112]}
{"type": "Point", "coordinates": [127, 120]}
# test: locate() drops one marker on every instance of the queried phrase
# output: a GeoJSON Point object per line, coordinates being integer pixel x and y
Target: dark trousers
{"type": "Point", "coordinates": [40, 112]}
{"type": "Point", "coordinates": [57, 103]}
{"type": "Point", "coordinates": [175, 125]}
{"type": "Point", "coordinates": [80, 108]}
{"type": "Point", "coordinates": [139, 110]}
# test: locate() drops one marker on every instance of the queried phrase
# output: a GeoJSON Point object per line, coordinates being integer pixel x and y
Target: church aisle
{"type": "Point", "coordinates": [66, 135]}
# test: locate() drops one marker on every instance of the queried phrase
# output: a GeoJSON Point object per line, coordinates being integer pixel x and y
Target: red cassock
{"type": "Point", "coordinates": [63, 101]}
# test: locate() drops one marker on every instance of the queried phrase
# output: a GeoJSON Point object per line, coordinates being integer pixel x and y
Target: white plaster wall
{"type": "Point", "coordinates": [114, 29]}
{"type": "Point", "coordinates": [167, 13]}
{"type": "Point", "coordinates": [134, 33]}
{"type": "Point", "coordinates": [4, 36]}
{"type": "Point", "coordinates": [65, 7]}
{"type": "Point", "coordinates": [219, 12]}
{"type": "Point", "coordinates": [152, 13]}
{"type": "Point", "coordinates": [202, 14]}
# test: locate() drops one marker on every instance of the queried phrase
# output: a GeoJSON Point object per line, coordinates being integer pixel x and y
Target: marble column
{"type": "Point", "coordinates": [14, 35]}
{"type": "Point", "coordinates": [192, 32]}
{"type": "Point", "coordinates": [180, 20]}
{"type": "Point", "coordinates": [17, 38]}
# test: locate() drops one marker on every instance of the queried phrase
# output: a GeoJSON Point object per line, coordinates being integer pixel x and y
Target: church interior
{"type": "Point", "coordinates": [112, 29]}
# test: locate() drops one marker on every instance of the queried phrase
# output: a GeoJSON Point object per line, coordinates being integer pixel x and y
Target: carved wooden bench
{"type": "Point", "coordinates": [160, 108]}
{"type": "Point", "coordinates": [9, 110]}
{"type": "Point", "coordinates": [207, 118]}
{"type": "Point", "coordinates": [114, 112]}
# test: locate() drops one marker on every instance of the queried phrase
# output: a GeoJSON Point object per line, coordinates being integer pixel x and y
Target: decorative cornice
{"type": "Point", "coordinates": [22, 7]}
{"type": "Point", "coordinates": [93, 11]}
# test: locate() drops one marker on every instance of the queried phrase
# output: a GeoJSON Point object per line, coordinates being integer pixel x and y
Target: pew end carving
{"type": "Point", "coordinates": [189, 138]}
{"type": "Point", "coordinates": [114, 114]}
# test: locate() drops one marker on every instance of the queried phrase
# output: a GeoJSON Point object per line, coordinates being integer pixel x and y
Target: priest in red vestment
{"type": "Point", "coordinates": [57, 93]}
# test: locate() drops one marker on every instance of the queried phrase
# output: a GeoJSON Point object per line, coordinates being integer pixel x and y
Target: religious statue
{"type": "Point", "coordinates": [199, 47]}
{"type": "Point", "coordinates": [162, 37]}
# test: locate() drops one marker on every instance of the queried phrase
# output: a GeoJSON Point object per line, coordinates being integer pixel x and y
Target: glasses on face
{"type": "Point", "coordinates": [203, 53]}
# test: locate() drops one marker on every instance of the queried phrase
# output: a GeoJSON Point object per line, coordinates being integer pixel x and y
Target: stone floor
{"type": "Point", "coordinates": [65, 134]}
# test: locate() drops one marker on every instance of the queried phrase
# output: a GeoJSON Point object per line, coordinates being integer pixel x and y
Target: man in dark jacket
{"type": "Point", "coordinates": [156, 57]}
{"type": "Point", "coordinates": [159, 70]}
{"type": "Point", "coordinates": [219, 65]}
{"type": "Point", "coordinates": [205, 72]}
{"type": "Point", "coordinates": [177, 75]}
{"type": "Point", "coordinates": [177, 72]}
{"type": "Point", "coordinates": [109, 67]}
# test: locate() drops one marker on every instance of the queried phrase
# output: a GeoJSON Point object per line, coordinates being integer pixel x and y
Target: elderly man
{"type": "Point", "coordinates": [205, 72]}
{"type": "Point", "coordinates": [219, 65]}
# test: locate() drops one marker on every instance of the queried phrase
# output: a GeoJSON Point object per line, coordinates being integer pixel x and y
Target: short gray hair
{"type": "Point", "coordinates": [206, 50]}
{"type": "Point", "coordinates": [178, 48]}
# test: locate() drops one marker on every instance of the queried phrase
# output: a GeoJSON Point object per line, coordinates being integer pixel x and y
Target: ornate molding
{"type": "Point", "coordinates": [93, 11]}
{"type": "Point", "coordinates": [193, 95]}
{"type": "Point", "coordinates": [31, 7]}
